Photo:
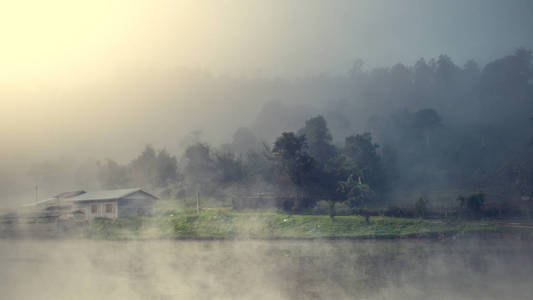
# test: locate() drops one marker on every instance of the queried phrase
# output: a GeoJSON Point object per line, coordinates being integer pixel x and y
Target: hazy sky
{"type": "Point", "coordinates": [101, 78]}
{"type": "Point", "coordinates": [66, 40]}
{"type": "Point", "coordinates": [63, 62]}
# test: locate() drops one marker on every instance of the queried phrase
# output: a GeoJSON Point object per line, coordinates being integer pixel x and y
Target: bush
{"type": "Point", "coordinates": [399, 211]}
{"type": "Point", "coordinates": [472, 204]}
{"type": "Point", "coordinates": [321, 207]}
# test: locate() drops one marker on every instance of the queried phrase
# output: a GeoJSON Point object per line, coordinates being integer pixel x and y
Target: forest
{"type": "Point", "coordinates": [432, 132]}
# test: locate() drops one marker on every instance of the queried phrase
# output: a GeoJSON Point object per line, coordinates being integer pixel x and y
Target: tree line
{"type": "Point", "coordinates": [364, 138]}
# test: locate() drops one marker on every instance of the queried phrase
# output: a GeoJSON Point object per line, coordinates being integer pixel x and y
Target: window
{"type": "Point", "coordinates": [94, 208]}
{"type": "Point", "coordinates": [109, 208]}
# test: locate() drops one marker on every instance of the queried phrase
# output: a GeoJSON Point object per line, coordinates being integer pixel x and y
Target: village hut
{"type": "Point", "coordinates": [115, 203]}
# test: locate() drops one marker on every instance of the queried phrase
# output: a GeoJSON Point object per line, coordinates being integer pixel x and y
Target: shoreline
{"type": "Point", "coordinates": [217, 225]}
{"type": "Point", "coordinates": [427, 236]}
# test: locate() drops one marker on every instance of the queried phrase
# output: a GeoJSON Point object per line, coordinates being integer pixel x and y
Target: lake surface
{"type": "Point", "coordinates": [468, 268]}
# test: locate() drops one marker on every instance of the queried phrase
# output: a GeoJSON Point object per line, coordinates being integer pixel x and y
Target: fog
{"type": "Point", "coordinates": [81, 83]}
{"type": "Point", "coordinates": [353, 105]}
{"type": "Point", "coordinates": [151, 71]}
{"type": "Point", "coordinates": [467, 269]}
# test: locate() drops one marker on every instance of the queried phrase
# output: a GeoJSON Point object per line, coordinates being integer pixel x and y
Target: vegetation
{"type": "Point", "coordinates": [440, 127]}
{"type": "Point", "coordinates": [271, 225]}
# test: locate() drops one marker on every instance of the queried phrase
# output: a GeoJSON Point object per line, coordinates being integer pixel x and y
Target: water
{"type": "Point", "coordinates": [473, 268]}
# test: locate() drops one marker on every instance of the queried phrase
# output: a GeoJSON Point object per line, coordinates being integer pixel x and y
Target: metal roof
{"type": "Point", "coordinates": [69, 194]}
{"type": "Point", "coordinates": [45, 201]}
{"type": "Point", "coordinates": [108, 195]}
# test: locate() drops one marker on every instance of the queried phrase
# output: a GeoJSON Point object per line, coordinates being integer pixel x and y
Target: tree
{"type": "Point", "coordinates": [144, 167]}
{"type": "Point", "coordinates": [505, 85]}
{"type": "Point", "coordinates": [166, 169]}
{"type": "Point", "coordinates": [471, 70]}
{"type": "Point", "coordinates": [229, 169]}
{"type": "Point", "coordinates": [472, 204]}
{"type": "Point", "coordinates": [244, 140]}
{"type": "Point", "coordinates": [446, 71]}
{"type": "Point", "coordinates": [112, 175]}
{"type": "Point", "coordinates": [357, 194]}
{"type": "Point", "coordinates": [200, 168]}
{"type": "Point", "coordinates": [293, 160]}
{"type": "Point", "coordinates": [318, 139]}
{"type": "Point", "coordinates": [426, 120]}
{"type": "Point", "coordinates": [424, 79]}
{"type": "Point", "coordinates": [360, 149]}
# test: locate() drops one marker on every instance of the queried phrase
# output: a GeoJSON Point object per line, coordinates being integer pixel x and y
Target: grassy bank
{"type": "Point", "coordinates": [271, 225]}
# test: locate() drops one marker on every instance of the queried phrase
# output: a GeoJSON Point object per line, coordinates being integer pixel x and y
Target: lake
{"type": "Point", "coordinates": [463, 268]}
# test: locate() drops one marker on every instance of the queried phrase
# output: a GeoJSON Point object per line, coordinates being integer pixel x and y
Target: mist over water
{"type": "Point", "coordinates": [398, 109]}
{"type": "Point", "coordinates": [487, 268]}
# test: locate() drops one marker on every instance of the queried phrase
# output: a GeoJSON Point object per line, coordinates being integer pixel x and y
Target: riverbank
{"type": "Point", "coordinates": [221, 224]}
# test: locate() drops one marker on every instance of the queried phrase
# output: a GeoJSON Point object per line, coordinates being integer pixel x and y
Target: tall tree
{"type": "Point", "coordinates": [426, 120]}
{"type": "Point", "coordinates": [363, 152]}
{"type": "Point", "coordinates": [200, 168]}
{"type": "Point", "coordinates": [144, 167]}
{"type": "Point", "coordinates": [318, 139]}
{"type": "Point", "coordinates": [112, 175]}
{"type": "Point", "coordinates": [229, 168]}
{"type": "Point", "coordinates": [166, 169]}
{"type": "Point", "coordinates": [244, 140]}
{"type": "Point", "coordinates": [294, 162]}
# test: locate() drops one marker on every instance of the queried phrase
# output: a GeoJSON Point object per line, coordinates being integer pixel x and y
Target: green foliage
{"type": "Point", "coordinates": [143, 169]}
{"type": "Point", "coordinates": [228, 224]}
{"type": "Point", "coordinates": [318, 139]}
{"type": "Point", "coordinates": [293, 159]}
{"type": "Point", "coordinates": [230, 169]}
{"type": "Point", "coordinates": [363, 153]}
{"type": "Point", "coordinates": [150, 168]}
{"type": "Point", "coordinates": [353, 174]}
{"type": "Point", "coordinates": [357, 194]}
{"type": "Point", "coordinates": [166, 169]}
{"type": "Point", "coordinates": [200, 169]}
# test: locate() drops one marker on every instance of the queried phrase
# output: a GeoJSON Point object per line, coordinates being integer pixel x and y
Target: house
{"type": "Point", "coordinates": [54, 201]}
{"type": "Point", "coordinates": [114, 203]}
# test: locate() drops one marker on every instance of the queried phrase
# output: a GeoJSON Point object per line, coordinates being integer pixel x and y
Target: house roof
{"type": "Point", "coordinates": [40, 202]}
{"type": "Point", "coordinates": [109, 195]}
{"type": "Point", "coordinates": [69, 194]}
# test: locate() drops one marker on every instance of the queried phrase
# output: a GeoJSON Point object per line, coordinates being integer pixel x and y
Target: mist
{"type": "Point", "coordinates": [472, 269]}
{"type": "Point", "coordinates": [151, 72]}
{"type": "Point", "coordinates": [275, 149]}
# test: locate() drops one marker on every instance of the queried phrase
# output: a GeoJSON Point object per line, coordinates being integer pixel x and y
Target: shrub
{"type": "Point", "coordinates": [399, 211]}
{"type": "Point", "coordinates": [472, 204]}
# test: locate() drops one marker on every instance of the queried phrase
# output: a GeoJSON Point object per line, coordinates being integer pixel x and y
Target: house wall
{"type": "Point", "coordinates": [100, 209]}
{"type": "Point", "coordinates": [138, 204]}
{"type": "Point", "coordinates": [135, 207]}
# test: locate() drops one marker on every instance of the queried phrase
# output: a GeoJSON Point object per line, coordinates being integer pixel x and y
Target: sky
{"type": "Point", "coordinates": [65, 41]}
{"type": "Point", "coordinates": [78, 76]}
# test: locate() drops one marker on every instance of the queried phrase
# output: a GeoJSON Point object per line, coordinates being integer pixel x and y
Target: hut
{"type": "Point", "coordinates": [114, 203]}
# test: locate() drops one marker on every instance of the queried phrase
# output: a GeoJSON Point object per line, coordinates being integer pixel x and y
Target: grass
{"type": "Point", "coordinates": [224, 223]}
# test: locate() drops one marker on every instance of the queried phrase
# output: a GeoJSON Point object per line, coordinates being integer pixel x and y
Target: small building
{"type": "Point", "coordinates": [114, 203]}
{"type": "Point", "coordinates": [55, 201]}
